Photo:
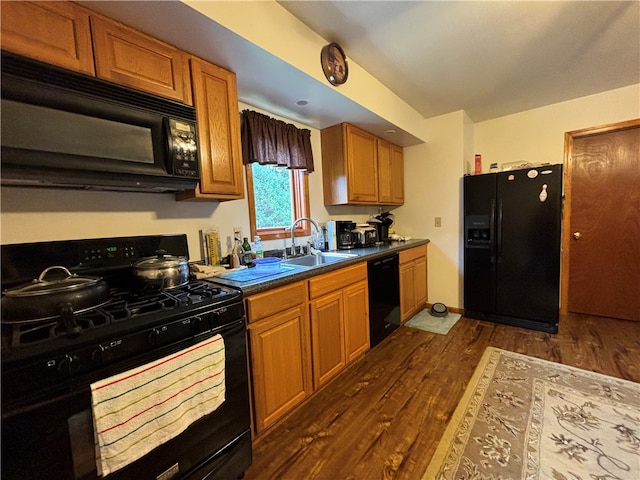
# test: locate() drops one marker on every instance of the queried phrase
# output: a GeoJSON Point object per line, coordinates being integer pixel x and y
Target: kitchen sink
{"type": "Point", "coordinates": [316, 260]}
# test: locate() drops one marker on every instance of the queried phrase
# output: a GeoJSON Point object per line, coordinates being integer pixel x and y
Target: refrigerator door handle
{"type": "Point", "coordinates": [499, 235]}
{"type": "Point", "coordinates": [492, 230]}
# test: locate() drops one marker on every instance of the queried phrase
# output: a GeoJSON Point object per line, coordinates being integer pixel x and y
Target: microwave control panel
{"type": "Point", "coordinates": [183, 148]}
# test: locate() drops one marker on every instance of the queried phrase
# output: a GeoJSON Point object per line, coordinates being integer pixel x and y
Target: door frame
{"type": "Point", "coordinates": [566, 223]}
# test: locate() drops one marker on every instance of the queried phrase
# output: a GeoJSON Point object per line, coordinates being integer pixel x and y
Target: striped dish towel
{"type": "Point", "coordinates": [138, 410]}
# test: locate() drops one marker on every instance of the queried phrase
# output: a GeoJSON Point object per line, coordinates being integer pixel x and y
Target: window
{"type": "Point", "coordinates": [278, 159]}
{"type": "Point", "coordinates": [277, 196]}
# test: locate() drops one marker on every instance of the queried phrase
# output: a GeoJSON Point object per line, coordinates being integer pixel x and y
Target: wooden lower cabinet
{"type": "Point", "coordinates": [413, 281]}
{"type": "Point", "coordinates": [356, 325]}
{"type": "Point", "coordinates": [301, 336]}
{"type": "Point", "coordinates": [339, 309]}
{"type": "Point", "coordinates": [327, 337]}
{"type": "Point", "coordinates": [279, 355]}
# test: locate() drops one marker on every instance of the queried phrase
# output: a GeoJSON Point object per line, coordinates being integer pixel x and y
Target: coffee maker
{"type": "Point", "coordinates": [345, 238]}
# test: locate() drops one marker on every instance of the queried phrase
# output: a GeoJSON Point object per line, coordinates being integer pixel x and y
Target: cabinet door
{"type": "Point", "coordinates": [390, 173]}
{"type": "Point", "coordinates": [420, 269]}
{"type": "Point", "coordinates": [408, 305]}
{"type": "Point", "coordinates": [216, 102]}
{"type": "Point", "coordinates": [356, 319]}
{"type": "Point", "coordinates": [362, 169]}
{"type": "Point", "coordinates": [128, 57]}
{"type": "Point", "coordinates": [327, 337]}
{"type": "Point", "coordinates": [279, 364]}
{"type": "Point", "coordinates": [385, 195]}
{"type": "Point", "coordinates": [52, 32]}
{"type": "Point", "coordinates": [397, 175]}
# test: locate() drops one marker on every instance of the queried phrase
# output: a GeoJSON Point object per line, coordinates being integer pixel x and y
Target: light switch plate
{"type": "Point", "coordinates": [438, 221]}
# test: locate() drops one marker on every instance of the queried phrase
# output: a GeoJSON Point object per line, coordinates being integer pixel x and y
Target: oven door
{"type": "Point", "coordinates": [54, 440]}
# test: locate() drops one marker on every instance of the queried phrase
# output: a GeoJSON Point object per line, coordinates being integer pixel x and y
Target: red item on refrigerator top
{"type": "Point", "coordinates": [478, 169]}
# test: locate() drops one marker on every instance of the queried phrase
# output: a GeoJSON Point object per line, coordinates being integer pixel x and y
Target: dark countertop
{"type": "Point", "coordinates": [301, 273]}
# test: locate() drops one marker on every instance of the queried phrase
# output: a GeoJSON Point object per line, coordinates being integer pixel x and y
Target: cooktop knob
{"type": "Point", "coordinates": [69, 365]}
{"type": "Point", "coordinates": [196, 324]}
{"type": "Point", "coordinates": [99, 354]}
{"type": "Point", "coordinates": [155, 335]}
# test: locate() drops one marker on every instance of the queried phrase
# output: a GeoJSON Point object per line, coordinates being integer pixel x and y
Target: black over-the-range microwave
{"type": "Point", "coordinates": [69, 130]}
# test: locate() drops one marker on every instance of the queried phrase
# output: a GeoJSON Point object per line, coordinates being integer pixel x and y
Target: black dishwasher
{"type": "Point", "coordinates": [384, 297]}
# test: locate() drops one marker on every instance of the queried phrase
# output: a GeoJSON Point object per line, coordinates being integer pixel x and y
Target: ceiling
{"type": "Point", "coordinates": [489, 58]}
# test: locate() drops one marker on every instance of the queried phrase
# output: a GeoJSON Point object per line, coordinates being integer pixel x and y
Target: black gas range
{"type": "Point", "coordinates": [49, 365]}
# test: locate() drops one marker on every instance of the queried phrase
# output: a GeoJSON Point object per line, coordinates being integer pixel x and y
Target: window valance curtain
{"type": "Point", "coordinates": [266, 140]}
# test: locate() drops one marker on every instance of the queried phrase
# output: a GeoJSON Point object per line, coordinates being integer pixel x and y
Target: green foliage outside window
{"type": "Point", "coordinates": [272, 193]}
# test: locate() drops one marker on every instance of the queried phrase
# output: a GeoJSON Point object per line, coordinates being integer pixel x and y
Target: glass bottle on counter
{"type": "Point", "coordinates": [257, 247]}
{"type": "Point", "coordinates": [247, 255]}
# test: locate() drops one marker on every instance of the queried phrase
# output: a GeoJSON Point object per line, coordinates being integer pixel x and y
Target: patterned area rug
{"type": "Point", "coordinates": [530, 419]}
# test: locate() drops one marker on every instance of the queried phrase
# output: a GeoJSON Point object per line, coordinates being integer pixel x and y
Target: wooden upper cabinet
{"type": "Point", "coordinates": [397, 175]}
{"type": "Point", "coordinates": [216, 102]}
{"type": "Point", "coordinates": [350, 173]}
{"type": "Point", "coordinates": [128, 57]}
{"type": "Point", "coordinates": [52, 32]}
{"type": "Point", "coordinates": [390, 173]}
{"type": "Point", "coordinates": [362, 165]}
{"type": "Point", "coordinates": [360, 168]}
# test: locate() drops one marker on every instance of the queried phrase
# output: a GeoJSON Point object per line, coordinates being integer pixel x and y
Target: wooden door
{"type": "Point", "coordinates": [602, 221]}
{"type": "Point", "coordinates": [356, 319]}
{"type": "Point", "coordinates": [279, 365]}
{"type": "Point", "coordinates": [327, 337]}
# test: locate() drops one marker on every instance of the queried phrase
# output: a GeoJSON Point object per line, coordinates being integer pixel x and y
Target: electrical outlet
{"type": "Point", "coordinates": [237, 232]}
{"type": "Point", "coordinates": [438, 221]}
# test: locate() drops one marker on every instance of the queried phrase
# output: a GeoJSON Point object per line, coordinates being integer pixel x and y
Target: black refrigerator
{"type": "Point", "coordinates": [512, 231]}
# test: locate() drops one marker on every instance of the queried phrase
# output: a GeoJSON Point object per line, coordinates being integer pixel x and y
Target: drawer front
{"type": "Point", "coordinates": [270, 302]}
{"type": "Point", "coordinates": [329, 282]}
{"type": "Point", "coordinates": [412, 253]}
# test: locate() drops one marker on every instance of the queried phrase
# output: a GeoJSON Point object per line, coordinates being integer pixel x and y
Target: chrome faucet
{"type": "Point", "coordinates": [293, 232]}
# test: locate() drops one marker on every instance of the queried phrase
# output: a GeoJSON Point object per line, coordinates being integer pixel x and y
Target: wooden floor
{"type": "Point", "coordinates": [383, 417]}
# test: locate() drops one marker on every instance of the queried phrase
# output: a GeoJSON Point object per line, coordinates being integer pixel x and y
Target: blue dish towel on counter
{"type": "Point", "coordinates": [138, 410]}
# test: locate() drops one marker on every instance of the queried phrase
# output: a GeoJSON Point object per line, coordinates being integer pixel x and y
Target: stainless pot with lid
{"type": "Point", "coordinates": [160, 272]}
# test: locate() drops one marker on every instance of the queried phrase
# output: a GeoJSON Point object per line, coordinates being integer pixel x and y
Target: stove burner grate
{"type": "Point", "coordinates": [124, 306]}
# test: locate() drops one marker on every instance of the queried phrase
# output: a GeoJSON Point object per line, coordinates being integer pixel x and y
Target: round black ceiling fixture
{"type": "Point", "coordinates": [334, 64]}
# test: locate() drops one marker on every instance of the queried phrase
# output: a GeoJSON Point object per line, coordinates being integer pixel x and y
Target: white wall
{"type": "Point", "coordinates": [538, 135]}
{"type": "Point", "coordinates": [432, 176]}
{"type": "Point", "coordinates": [433, 171]}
